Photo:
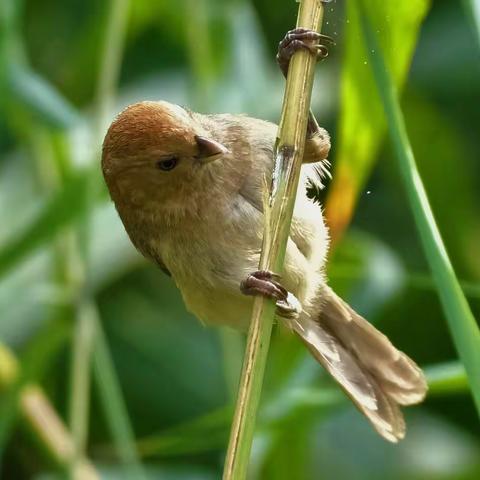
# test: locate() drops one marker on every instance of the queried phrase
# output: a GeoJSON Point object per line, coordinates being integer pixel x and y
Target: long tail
{"type": "Point", "coordinates": [375, 375]}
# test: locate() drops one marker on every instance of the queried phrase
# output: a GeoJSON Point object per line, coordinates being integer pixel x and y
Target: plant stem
{"type": "Point", "coordinates": [80, 375]}
{"type": "Point", "coordinates": [200, 52]}
{"type": "Point", "coordinates": [278, 214]}
{"type": "Point", "coordinates": [43, 421]}
{"type": "Point", "coordinates": [446, 379]}
{"type": "Point", "coordinates": [461, 322]}
{"type": "Point", "coordinates": [111, 60]}
{"type": "Point", "coordinates": [104, 370]}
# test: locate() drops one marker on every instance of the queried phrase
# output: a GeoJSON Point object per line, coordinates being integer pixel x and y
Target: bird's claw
{"type": "Point", "coordinates": [300, 38]}
{"type": "Point", "coordinates": [265, 283]}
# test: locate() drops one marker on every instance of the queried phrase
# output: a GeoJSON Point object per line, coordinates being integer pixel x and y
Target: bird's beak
{"type": "Point", "coordinates": [209, 150]}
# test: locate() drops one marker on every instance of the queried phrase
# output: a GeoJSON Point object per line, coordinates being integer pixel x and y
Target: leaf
{"type": "Point", "coordinates": [33, 92]}
{"type": "Point", "coordinates": [463, 327]}
{"type": "Point", "coordinates": [15, 374]}
{"type": "Point", "coordinates": [63, 207]}
{"type": "Point", "coordinates": [436, 141]}
{"type": "Point", "coordinates": [362, 122]}
{"type": "Point", "coordinates": [114, 405]}
{"type": "Point", "coordinates": [472, 8]}
{"type": "Point", "coordinates": [205, 433]}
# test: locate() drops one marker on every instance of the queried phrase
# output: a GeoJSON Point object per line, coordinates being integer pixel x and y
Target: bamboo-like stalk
{"type": "Point", "coordinates": [278, 214]}
{"type": "Point", "coordinates": [461, 322]}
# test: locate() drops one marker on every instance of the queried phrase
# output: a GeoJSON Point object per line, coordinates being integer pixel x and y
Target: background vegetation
{"type": "Point", "coordinates": [145, 390]}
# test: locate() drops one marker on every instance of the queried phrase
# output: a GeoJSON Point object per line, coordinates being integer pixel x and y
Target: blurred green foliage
{"type": "Point", "coordinates": [62, 244]}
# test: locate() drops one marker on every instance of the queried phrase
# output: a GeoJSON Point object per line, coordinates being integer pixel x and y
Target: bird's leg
{"type": "Point", "coordinates": [265, 283]}
{"type": "Point", "coordinates": [314, 42]}
{"type": "Point", "coordinates": [299, 38]}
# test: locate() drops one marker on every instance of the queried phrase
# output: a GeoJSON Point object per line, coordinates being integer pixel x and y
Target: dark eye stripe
{"type": "Point", "coordinates": [167, 164]}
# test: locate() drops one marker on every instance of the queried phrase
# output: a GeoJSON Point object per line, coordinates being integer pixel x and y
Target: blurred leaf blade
{"type": "Point", "coordinates": [462, 324]}
{"type": "Point", "coordinates": [114, 406]}
{"type": "Point", "coordinates": [34, 93]}
{"type": "Point", "coordinates": [208, 432]}
{"type": "Point", "coordinates": [362, 122]}
{"type": "Point", "coordinates": [111, 60]}
{"type": "Point", "coordinates": [17, 376]}
{"type": "Point", "coordinates": [63, 207]}
{"type": "Point", "coordinates": [473, 11]}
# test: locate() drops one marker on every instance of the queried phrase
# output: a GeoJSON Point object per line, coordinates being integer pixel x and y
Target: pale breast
{"type": "Point", "coordinates": [208, 264]}
{"type": "Point", "coordinates": [217, 244]}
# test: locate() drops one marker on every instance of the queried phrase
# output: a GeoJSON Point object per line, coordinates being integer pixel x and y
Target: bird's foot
{"type": "Point", "coordinates": [267, 284]}
{"type": "Point", "coordinates": [300, 38]}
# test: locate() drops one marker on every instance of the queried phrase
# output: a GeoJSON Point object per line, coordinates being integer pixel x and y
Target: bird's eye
{"type": "Point", "coordinates": [167, 164]}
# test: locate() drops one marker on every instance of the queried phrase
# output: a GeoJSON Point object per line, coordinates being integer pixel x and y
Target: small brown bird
{"type": "Point", "coordinates": [188, 188]}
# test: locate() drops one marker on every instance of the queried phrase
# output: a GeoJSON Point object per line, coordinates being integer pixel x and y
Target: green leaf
{"type": "Point", "coordinates": [35, 361]}
{"type": "Point", "coordinates": [63, 207]}
{"type": "Point", "coordinates": [462, 324]}
{"type": "Point", "coordinates": [205, 433]}
{"type": "Point", "coordinates": [473, 10]}
{"type": "Point", "coordinates": [362, 122]}
{"type": "Point", "coordinates": [39, 97]}
{"type": "Point", "coordinates": [114, 406]}
{"type": "Point", "coordinates": [284, 409]}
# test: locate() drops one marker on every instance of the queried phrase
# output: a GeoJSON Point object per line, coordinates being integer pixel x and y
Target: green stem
{"type": "Point", "coordinates": [76, 257]}
{"type": "Point", "coordinates": [111, 61]}
{"type": "Point", "coordinates": [80, 376]}
{"type": "Point", "coordinates": [446, 379]}
{"type": "Point", "coordinates": [43, 421]}
{"type": "Point", "coordinates": [278, 212]}
{"type": "Point", "coordinates": [461, 322]}
{"type": "Point", "coordinates": [200, 52]}
{"type": "Point", "coordinates": [104, 370]}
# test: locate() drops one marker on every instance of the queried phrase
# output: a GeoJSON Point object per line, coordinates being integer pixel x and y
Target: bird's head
{"type": "Point", "coordinates": [154, 154]}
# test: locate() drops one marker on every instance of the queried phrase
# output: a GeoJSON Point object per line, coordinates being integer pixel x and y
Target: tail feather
{"type": "Point", "coordinates": [399, 375]}
{"type": "Point", "coordinates": [375, 375]}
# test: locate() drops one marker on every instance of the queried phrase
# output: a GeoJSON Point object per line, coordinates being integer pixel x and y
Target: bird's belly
{"type": "Point", "coordinates": [208, 264]}
{"type": "Point", "coordinates": [218, 306]}
{"type": "Point", "coordinates": [211, 290]}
